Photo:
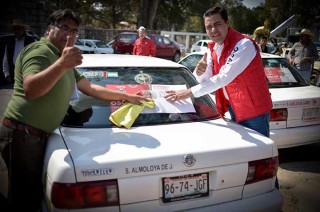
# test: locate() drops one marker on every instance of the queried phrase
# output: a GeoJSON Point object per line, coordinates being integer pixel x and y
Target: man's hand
{"type": "Point", "coordinates": [178, 95]}
{"type": "Point", "coordinates": [136, 98]}
{"type": "Point", "coordinates": [202, 65]}
{"type": "Point", "coordinates": [71, 56]}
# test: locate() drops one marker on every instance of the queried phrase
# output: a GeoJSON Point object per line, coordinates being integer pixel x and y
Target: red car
{"type": "Point", "coordinates": [166, 48]}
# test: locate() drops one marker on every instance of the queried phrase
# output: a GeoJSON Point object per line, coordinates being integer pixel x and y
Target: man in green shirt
{"type": "Point", "coordinates": [45, 81]}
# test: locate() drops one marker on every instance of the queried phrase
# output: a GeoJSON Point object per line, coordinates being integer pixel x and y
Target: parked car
{"type": "Point", "coordinates": [191, 60]}
{"type": "Point", "coordinates": [85, 49]}
{"type": "Point", "coordinates": [295, 117]}
{"type": "Point", "coordinates": [176, 156]}
{"type": "Point", "coordinates": [165, 48]}
{"type": "Point", "coordinates": [200, 45]}
{"type": "Point", "coordinates": [98, 46]}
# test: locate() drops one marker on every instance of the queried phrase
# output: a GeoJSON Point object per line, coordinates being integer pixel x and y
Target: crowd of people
{"type": "Point", "coordinates": [302, 54]}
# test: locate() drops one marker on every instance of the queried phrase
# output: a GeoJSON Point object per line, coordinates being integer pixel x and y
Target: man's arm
{"type": "Point", "coordinates": [107, 94]}
{"type": "Point", "coordinates": [152, 49]}
{"type": "Point", "coordinates": [37, 85]}
{"type": "Point", "coordinates": [134, 52]}
{"type": "Point", "coordinates": [236, 63]}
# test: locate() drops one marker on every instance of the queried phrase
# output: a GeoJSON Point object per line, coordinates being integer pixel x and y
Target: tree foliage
{"type": "Point", "coordinates": [186, 15]}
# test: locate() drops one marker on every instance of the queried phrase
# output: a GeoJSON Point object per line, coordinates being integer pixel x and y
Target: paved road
{"type": "Point", "coordinates": [299, 172]}
{"type": "Point", "coordinates": [299, 178]}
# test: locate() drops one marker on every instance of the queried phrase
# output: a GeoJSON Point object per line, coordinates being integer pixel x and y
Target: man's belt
{"type": "Point", "coordinates": [24, 127]}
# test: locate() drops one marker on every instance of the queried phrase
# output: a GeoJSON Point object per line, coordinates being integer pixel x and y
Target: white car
{"type": "Point", "coordinates": [295, 117]}
{"type": "Point", "coordinates": [98, 46]}
{"type": "Point", "coordinates": [175, 157]}
{"type": "Point", "coordinates": [85, 49]}
{"type": "Point", "coordinates": [200, 45]}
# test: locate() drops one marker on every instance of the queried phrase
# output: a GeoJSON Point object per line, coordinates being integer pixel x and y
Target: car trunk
{"type": "Point", "coordinates": [147, 155]}
{"type": "Point", "coordinates": [302, 103]}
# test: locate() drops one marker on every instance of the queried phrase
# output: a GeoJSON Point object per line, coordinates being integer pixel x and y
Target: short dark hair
{"type": "Point", "coordinates": [214, 10]}
{"type": "Point", "coordinates": [61, 15]}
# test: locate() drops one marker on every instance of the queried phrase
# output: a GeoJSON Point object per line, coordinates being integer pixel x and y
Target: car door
{"type": "Point", "coordinates": [160, 46]}
{"type": "Point", "coordinates": [170, 48]}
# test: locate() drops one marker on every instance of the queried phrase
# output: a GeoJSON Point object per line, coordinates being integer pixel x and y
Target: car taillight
{"type": "Point", "coordinates": [262, 169]}
{"type": "Point", "coordinates": [279, 114]}
{"type": "Point", "coordinates": [85, 195]}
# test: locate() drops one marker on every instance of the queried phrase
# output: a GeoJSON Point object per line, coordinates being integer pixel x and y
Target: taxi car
{"type": "Point", "coordinates": [295, 116]}
{"type": "Point", "coordinates": [178, 156]}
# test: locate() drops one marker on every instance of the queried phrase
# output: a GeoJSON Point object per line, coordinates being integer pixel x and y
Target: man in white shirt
{"type": "Point", "coordinates": [235, 73]}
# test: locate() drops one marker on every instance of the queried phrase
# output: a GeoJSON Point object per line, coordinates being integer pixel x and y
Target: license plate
{"type": "Point", "coordinates": [311, 114]}
{"type": "Point", "coordinates": [185, 187]}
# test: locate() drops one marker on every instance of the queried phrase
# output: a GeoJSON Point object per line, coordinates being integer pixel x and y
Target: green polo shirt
{"type": "Point", "coordinates": [46, 112]}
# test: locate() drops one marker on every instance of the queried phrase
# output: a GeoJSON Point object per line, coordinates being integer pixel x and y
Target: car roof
{"type": "Point", "coordinates": [128, 33]}
{"type": "Point", "coordinates": [84, 39]}
{"type": "Point", "coordinates": [119, 60]}
{"type": "Point", "coordinates": [267, 55]}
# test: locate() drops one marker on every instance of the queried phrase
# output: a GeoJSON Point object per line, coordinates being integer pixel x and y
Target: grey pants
{"type": "Point", "coordinates": [23, 155]}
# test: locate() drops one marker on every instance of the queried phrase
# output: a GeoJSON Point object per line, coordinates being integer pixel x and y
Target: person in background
{"type": "Point", "coordinates": [45, 76]}
{"type": "Point", "coordinates": [263, 44]}
{"type": "Point", "coordinates": [234, 71]}
{"type": "Point", "coordinates": [144, 45]}
{"type": "Point", "coordinates": [277, 48]}
{"type": "Point", "coordinates": [262, 30]}
{"type": "Point", "coordinates": [303, 54]}
{"type": "Point", "coordinates": [13, 46]}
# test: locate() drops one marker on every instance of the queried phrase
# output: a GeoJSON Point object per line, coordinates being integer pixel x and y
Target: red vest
{"type": "Point", "coordinates": [248, 93]}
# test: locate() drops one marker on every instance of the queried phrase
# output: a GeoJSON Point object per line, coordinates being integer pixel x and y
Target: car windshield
{"type": "Point", "coordinates": [89, 112]}
{"type": "Point", "coordinates": [281, 74]}
{"type": "Point", "coordinates": [78, 43]}
{"type": "Point", "coordinates": [191, 61]}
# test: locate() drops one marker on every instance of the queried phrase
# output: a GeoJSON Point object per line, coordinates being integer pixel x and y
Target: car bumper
{"type": "Point", "coordinates": [271, 201]}
{"type": "Point", "coordinates": [297, 136]}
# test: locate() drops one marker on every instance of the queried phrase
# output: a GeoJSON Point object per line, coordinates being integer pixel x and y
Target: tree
{"type": "Point", "coordinates": [147, 12]}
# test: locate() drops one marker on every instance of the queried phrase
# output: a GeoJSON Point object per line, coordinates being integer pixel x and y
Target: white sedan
{"type": "Point", "coordinates": [98, 46]}
{"type": "Point", "coordinates": [295, 116]}
{"type": "Point", "coordinates": [200, 45]}
{"type": "Point", "coordinates": [175, 157]}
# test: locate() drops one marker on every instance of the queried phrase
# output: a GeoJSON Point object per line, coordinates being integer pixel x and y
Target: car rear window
{"type": "Point", "coordinates": [280, 73]}
{"type": "Point", "coordinates": [90, 112]}
{"type": "Point", "coordinates": [127, 38]}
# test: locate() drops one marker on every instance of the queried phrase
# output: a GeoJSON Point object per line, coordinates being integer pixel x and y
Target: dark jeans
{"type": "Point", "coordinates": [23, 155]}
{"type": "Point", "coordinates": [259, 123]}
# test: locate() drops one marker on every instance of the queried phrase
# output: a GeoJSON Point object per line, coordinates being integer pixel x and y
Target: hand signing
{"type": "Point", "coordinates": [202, 65]}
{"type": "Point", "coordinates": [71, 56]}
